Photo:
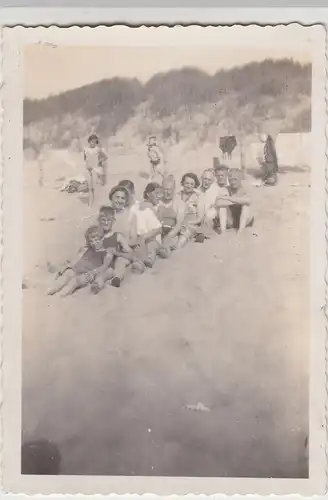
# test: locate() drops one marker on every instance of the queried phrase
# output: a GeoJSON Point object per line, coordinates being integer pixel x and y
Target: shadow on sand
{"type": "Point", "coordinates": [283, 169]}
{"type": "Point", "coordinates": [40, 457]}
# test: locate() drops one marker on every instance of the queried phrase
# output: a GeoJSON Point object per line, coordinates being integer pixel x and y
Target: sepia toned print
{"type": "Point", "coordinates": [171, 237]}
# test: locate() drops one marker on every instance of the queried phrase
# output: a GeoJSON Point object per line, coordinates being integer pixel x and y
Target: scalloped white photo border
{"type": "Point", "coordinates": [13, 43]}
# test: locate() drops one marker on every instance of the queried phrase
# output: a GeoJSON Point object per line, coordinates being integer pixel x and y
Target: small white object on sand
{"type": "Point", "coordinates": [198, 407]}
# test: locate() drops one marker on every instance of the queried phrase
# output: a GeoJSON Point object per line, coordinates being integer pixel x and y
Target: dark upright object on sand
{"type": "Point", "coordinates": [270, 164]}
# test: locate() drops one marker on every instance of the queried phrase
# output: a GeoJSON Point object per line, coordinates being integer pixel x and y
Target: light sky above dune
{"type": "Point", "coordinates": [49, 70]}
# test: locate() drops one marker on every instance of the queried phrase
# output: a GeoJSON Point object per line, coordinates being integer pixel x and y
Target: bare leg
{"type": "Point", "coordinates": [186, 235]}
{"type": "Point", "coordinates": [138, 267]}
{"type": "Point", "coordinates": [223, 218]}
{"type": "Point", "coordinates": [72, 286]}
{"type": "Point", "coordinates": [152, 247]}
{"type": "Point", "coordinates": [182, 242]}
{"type": "Point", "coordinates": [169, 242]}
{"type": "Point", "coordinates": [91, 189]}
{"type": "Point", "coordinates": [207, 226]}
{"type": "Point", "coordinates": [244, 217]}
{"type": "Point", "coordinates": [120, 267]}
{"type": "Point", "coordinates": [78, 282]}
{"type": "Point", "coordinates": [61, 282]}
{"type": "Point", "coordinates": [163, 252]}
{"type": "Point", "coordinates": [100, 280]}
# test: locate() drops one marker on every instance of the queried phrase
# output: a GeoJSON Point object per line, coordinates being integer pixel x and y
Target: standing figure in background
{"type": "Point", "coordinates": [95, 162]}
{"type": "Point", "coordinates": [269, 161]}
{"type": "Point", "coordinates": [157, 161]}
{"type": "Point", "coordinates": [227, 145]}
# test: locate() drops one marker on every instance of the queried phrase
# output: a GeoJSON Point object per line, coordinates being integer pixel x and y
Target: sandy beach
{"type": "Point", "coordinates": [115, 379]}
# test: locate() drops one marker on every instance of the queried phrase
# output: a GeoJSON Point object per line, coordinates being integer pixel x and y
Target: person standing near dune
{"type": "Point", "coordinates": [157, 160]}
{"type": "Point", "coordinates": [95, 163]}
{"type": "Point", "coordinates": [269, 161]}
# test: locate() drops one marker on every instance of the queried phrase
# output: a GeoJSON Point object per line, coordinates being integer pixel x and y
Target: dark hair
{"type": "Point", "coordinates": [123, 189]}
{"type": "Point", "coordinates": [150, 188]}
{"type": "Point", "coordinates": [219, 167]}
{"type": "Point", "coordinates": [106, 210]}
{"type": "Point", "coordinates": [92, 231]}
{"type": "Point", "coordinates": [235, 171]}
{"type": "Point", "coordinates": [93, 137]}
{"type": "Point", "coordinates": [193, 177]}
{"type": "Point", "coordinates": [128, 185]}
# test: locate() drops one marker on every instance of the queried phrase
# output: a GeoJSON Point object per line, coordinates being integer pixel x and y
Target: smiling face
{"type": "Point", "coordinates": [188, 185]}
{"type": "Point", "coordinates": [154, 196]}
{"type": "Point", "coordinates": [168, 191]}
{"type": "Point", "coordinates": [234, 181]}
{"type": "Point", "coordinates": [93, 143]}
{"type": "Point", "coordinates": [105, 222]}
{"type": "Point", "coordinates": [207, 180]}
{"type": "Point", "coordinates": [94, 241]}
{"type": "Point", "coordinates": [119, 200]}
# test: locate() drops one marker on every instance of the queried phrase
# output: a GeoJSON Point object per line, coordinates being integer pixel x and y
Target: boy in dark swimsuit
{"type": "Point", "coordinates": [95, 260]}
{"type": "Point", "coordinates": [115, 244]}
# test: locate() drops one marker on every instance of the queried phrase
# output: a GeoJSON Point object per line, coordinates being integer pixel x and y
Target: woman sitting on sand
{"type": "Point", "coordinates": [146, 228]}
{"type": "Point", "coordinates": [193, 216]}
{"type": "Point", "coordinates": [237, 202]}
{"type": "Point", "coordinates": [120, 199]}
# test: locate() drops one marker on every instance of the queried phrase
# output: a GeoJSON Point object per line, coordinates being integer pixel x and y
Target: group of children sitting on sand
{"type": "Point", "coordinates": [130, 235]}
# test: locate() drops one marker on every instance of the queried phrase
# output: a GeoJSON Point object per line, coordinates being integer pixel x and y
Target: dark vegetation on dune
{"type": "Point", "coordinates": [240, 98]}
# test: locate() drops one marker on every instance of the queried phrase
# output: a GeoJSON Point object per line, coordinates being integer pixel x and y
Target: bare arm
{"type": "Point", "coordinates": [124, 244]}
{"type": "Point", "coordinates": [126, 251]}
{"type": "Point", "coordinates": [107, 262]}
{"type": "Point", "coordinates": [237, 200]}
{"type": "Point", "coordinates": [176, 229]}
{"type": "Point", "coordinates": [133, 234]}
{"type": "Point", "coordinates": [222, 202]}
{"type": "Point", "coordinates": [151, 235]}
{"type": "Point", "coordinates": [102, 157]}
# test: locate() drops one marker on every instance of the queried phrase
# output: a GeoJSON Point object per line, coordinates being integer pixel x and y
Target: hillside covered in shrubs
{"type": "Point", "coordinates": [176, 105]}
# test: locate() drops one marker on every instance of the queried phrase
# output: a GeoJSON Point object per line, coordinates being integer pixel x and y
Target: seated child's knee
{"type": "Point", "coordinates": [163, 252]}
{"type": "Point", "coordinates": [149, 261]}
{"type": "Point", "coordinates": [138, 267]}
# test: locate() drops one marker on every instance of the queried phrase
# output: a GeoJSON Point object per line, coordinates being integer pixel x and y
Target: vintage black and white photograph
{"type": "Point", "coordinates": [166, 308]}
